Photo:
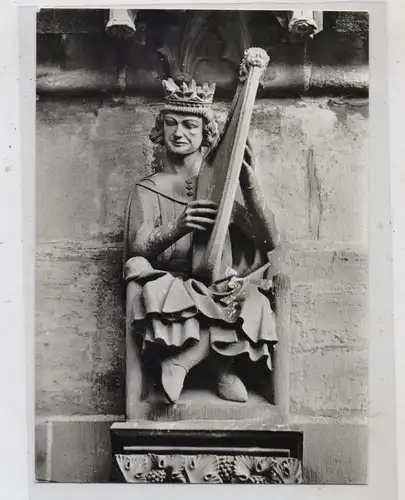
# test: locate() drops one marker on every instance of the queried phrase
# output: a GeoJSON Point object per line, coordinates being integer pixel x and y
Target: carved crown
{"type": "Point", "coordinates": [188, 94]}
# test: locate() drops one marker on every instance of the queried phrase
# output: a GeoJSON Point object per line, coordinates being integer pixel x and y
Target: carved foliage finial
{"type": "Point", "coordinates": [254, 56]}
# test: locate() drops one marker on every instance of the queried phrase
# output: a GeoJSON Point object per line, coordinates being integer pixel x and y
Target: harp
{"type": "Point", "coordinates": [218, 179]}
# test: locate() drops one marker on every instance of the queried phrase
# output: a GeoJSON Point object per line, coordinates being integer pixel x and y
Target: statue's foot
{"type": "Point", "coordinates": [231, 388]}
{"type": "Point", "coordinates": [173, 376]}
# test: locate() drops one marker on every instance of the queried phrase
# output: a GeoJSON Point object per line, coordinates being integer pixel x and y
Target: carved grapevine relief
{"type": "Point", "coordinates": [240, 469]}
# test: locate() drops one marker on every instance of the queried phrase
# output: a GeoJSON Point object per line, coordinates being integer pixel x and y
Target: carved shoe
{"type": "Point", "coordinates": [173, 376]}
{"type": "Point", "coordinates": [232, 388]}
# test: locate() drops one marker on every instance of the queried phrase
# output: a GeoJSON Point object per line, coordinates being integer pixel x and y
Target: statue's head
{"type": "Point", "coordinates": [187, 122]}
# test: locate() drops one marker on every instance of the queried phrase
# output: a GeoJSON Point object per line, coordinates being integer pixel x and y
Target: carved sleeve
{"type": "Point", "coordinates": [147, 236]}
{"type": "Point", "coordinates": [261, 218]}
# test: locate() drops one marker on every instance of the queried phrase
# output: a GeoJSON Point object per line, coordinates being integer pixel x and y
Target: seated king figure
{"type": "Point", "coordinates": [176, 315]}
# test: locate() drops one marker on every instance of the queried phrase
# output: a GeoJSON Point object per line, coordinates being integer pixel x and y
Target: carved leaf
{"type": "Point", "coordinates": [170, 85]}
{"type": "Point", "coordinates": [193, 87]}
{"type": "Point", "coordinates": [134, 467]}
{"type": "Point", "coordinates": [175, 464]}
{"type": "Point", "coordinates": [264, 464]}
{"type": "Point", "coordinates": [292, 470]}
{"type": "Point", "coordinates": [202, 469]}
{"type": "Point", "coordinates": [159, 461]}
{"type": "Point", "coordinates": [244, 467]}
{"type": "Point", "coordinates": [286, 471]}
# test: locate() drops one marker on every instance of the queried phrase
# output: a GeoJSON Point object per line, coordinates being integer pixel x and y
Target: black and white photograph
{"type": "Point", "coordinates": [202, 246]}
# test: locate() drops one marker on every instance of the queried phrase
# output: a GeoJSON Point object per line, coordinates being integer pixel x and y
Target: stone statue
{"type": "Point", "coordinates": [179, 319]}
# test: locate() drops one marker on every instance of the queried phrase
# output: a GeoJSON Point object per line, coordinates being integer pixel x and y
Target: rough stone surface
{"type": "Point", "coordinates": [80, 332]}
{"type": "Point", "coordinates": [312, 161]}
{"type": "Point", "coordinates": [305, 164]}
{"type": "Point", "coordinates": [41, 451]}
{"type": "Point", "coordinates": [326, 201]}
{"type": "Point", "coordinates": [86, 196]}
{"type": "Point", "coordinates": [329, 382]}
{"type": "Point", "coordinates": [335, 453]}
{"type": "Point", "coordinates": [80, 451]}
{"type": "Point", "coordinates": [327, 316]}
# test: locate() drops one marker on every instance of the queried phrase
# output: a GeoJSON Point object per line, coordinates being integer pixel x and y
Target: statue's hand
{"type": "Point", "coordinates": [247, 176]}
{"type": "Point", "coordinates": [199, 215]}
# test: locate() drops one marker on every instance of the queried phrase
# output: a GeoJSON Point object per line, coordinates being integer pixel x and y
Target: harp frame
{"type": "Point", "coordinates": [218, 179]}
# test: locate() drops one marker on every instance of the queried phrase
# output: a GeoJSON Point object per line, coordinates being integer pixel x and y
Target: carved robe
{"type": "Point", "coordinates": [169, 306]}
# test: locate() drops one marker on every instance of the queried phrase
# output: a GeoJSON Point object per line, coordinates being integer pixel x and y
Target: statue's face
{"type": "Point", "coordinates": [183, 133]}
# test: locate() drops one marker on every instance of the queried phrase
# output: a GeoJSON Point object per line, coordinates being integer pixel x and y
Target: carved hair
{"type": "Point", "coordinates": [210, 128]}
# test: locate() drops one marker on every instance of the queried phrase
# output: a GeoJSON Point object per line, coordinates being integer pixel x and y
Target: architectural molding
{"type": "Point", "coordinates": [209, 468]}
{"type": "Point", "coordinates": [312, 53]}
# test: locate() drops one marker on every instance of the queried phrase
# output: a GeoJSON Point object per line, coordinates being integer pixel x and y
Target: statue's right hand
{"type": "Point", "coordinates": [199, 215]}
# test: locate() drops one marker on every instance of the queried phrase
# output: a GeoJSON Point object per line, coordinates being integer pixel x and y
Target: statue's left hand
{"type": "Point", "coordinates": [247, 176]}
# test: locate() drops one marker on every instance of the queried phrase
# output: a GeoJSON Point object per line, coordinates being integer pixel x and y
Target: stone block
{"type": "Point", "coordinates": [330, 382]}
{"type": "Point", "coordinates": [340, 56]}
{"type": "Point", "coordinates": [340, 79]}
{"type": "Point", "coordinates": [340, 164]}
{"type": "Point", "coordinates": [81, 451]}
{"type": "Point", "coordinates": [79, 372]}
{"type": "Point", "coordinates": [88, 158]}
{"type": "Point", "coordinates": [312, 160]}
{"type": "Point", "coordinates": [329, 315]}
{"type": "Point", "coordinates": [308, 263]}
{"type": "Point", "coordinates": [63, 370]}
{"type": "Point", "coordinates": [80, 345]}
{"type": "Point", "coordinates": [41, 451]}
{"type": "Point", "coordinates": [79, 287]}
{"type": "Point", "coordinates": [335, 453]}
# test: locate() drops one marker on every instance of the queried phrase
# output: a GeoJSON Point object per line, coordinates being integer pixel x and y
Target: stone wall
{"type": "Point", "coordinates": [312, 155]}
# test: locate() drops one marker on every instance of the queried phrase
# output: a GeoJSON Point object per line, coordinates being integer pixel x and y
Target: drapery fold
{"type": "Point", "coordinates": [169, 310]}
{"type": "Point", "coordinates": [169, 307]}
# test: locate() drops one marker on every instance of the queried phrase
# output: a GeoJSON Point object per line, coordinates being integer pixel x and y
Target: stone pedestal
{"type": "Point", "coordinates": [204, 451]}
{"type": "Point", "coordinates": [203, 438]}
